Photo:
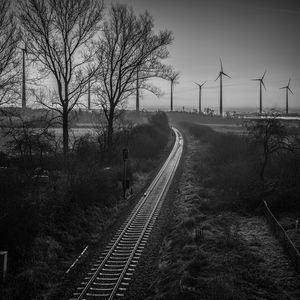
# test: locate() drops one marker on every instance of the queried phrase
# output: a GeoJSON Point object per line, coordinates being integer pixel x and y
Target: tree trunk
{"type": "Point", "coordinates": [171, 95]}
{"type": "Point", "coordinates": [137, 92]}
{"type": "Point", "coordinates": [24, 83]}
{"type": "Point", "coordinates": [65, 120]}
{"type": "Point", "coordinates": [110, 131]}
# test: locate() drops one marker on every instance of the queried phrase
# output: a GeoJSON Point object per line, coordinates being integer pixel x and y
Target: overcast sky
{"type": "Point", "coordinates": [249, 36]}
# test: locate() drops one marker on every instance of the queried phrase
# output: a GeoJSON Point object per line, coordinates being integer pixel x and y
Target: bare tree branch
{"type": "Point", "coordinates": [59, 36]}
{"type": "Point", "coordinates": [128, 43]}
{"type": "Point", "coordinates": [9, 61]}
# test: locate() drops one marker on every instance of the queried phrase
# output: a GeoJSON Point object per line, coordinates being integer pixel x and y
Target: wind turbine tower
{"type": "Point", "coordinates": [287, 89]}
{"type": "Point", "coordinates": [221, 74]}
{"type": "Point", "coordinates": [261, 83]}
{"type": "Point", "coordinates": [200, 92]}
{"type": "Point", "coordinates": [174, 80]}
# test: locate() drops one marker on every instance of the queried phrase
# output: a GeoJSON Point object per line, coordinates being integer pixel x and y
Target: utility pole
{"type": "Point", "coordinates": [24, 81]}
{"type": "Point", "coordinates": [3, 265]}
{"type": "Point", "coordinates": [137, 91]}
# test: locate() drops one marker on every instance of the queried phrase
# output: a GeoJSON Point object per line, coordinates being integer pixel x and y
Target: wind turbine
{"type": "Point", "coordinates": [200, 91]}
{"type": "Point", "coordinates": [261, 83]}
{"type": "Point", "coordinates": [173, 77]}
{"type": "Point", "coordinates": [287, 89]}
{"type": "Point", "coordinates": [221, 74]}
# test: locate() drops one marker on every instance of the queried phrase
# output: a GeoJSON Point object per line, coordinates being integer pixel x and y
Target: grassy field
{"type": "Point", "coordinates": [216, 123]}
{"type": "Point", "coordinates": [224, 125]}
{"type": "Point", "coordinates": [221, 247]}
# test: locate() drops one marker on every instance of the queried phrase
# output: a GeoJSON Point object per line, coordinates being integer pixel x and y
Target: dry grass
{"type": "Point", "coordinates": [213, 253]}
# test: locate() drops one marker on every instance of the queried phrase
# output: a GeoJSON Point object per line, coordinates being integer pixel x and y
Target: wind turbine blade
{"type": "Point", "coordinates": [221, 65]}
{"type": "Point", "coordinates": [263, 84]}
{"type": "Point", "coordinates": [290, 90]}
{"type": "Point", "coordinates": [264, 75]}
{"type": "Point", "coordinates": [284, 87]}
{"type": "Point", "coordinates": [289, 82]}
{"type": "Point", "coordinates": [256, 79]}
{"type": "Point", "coordinates": [226, 75]}
{"type": "Point", "coordinates": [218, 77]}
{"type": "Point", "coordinates": [203, 83]}
{"type": "Point", "coordinates": [196, 83]}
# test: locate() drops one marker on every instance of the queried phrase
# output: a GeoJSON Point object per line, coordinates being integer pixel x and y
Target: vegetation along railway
{"type": "Point", "coordinates": [110, 275]}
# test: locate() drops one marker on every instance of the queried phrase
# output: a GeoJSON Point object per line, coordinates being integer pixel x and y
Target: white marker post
{"type": "Point", "coordinates": [3, 264]}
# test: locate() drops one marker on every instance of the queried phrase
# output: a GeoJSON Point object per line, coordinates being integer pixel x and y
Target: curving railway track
{"type": "Point", "coordinates": [110, 275]}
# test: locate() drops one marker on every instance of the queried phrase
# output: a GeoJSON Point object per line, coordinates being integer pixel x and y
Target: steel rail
{"type": "Point", "coordinates": [143, 232]}
{"type": "Point", "coordinates": [127, 234]}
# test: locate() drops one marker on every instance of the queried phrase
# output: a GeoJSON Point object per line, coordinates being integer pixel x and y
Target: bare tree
{"type": "Point", "coordinates": [272, 136]}
{"type": "Point", "coordinates": [9, 61]}
{"type": "Point", "coordinates": [129, 43]}
{"type": "Point", "coordinates": [59, 36]}
{"type": "Point", "coordinates": [173, 77]}
{"type": "Point", "coordinates": [28, 138]}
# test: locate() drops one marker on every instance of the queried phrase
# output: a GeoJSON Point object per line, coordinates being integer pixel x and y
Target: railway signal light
{"type": "Point", "coordinates": [125, 154]}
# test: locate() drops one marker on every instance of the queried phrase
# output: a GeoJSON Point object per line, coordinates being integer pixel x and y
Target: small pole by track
{"type": "Point", "coordinates": [3, 264]}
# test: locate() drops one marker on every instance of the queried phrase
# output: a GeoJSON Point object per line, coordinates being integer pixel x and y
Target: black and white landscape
{"type": "Point", "coordinates": [149, 149]}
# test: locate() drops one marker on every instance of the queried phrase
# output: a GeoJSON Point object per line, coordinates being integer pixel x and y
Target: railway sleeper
{"type": "Point", "coordinates": [97, 295]}
{"type": "Point", "coordinates": [112, 284]}
{"type": "Point", "coordinates": [114, 267]}
{"type": "Point", "coordinates": [109, 274]}
{"type": "Point", "coordinates": [121, 254]}
{"type": "Point", "coordinates": [107, 279]}
{"type": "Point", "coordinates": [119, 295]}
{"type": "Point", "coordinates": [118, 250]}
{"type": "Point", "coordinates": [101, 289]}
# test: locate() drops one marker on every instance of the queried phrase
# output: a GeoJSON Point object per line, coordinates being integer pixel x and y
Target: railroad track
{"type": "Point", "coordinates": [110, 276]}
